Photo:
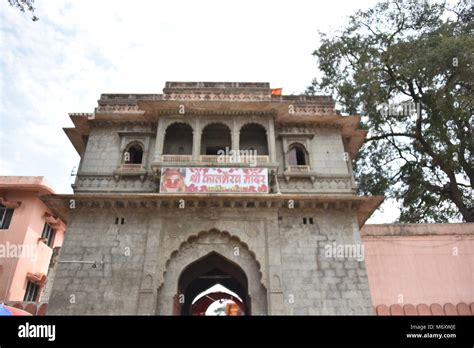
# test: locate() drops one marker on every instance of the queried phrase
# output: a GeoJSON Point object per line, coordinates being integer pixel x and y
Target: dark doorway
{"type": "Point", "coordinates": [205, 273]}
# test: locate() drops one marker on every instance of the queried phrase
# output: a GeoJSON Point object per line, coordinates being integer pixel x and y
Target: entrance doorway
{"type": "Point", "coordinates": [205, 260]}
{"type": "Point", "coordinates": [212, 282]}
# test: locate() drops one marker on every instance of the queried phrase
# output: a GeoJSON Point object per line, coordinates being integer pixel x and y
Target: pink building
{"type": "Point", "coordinates": [30, 236]}
{"type": "Point", "coordinates": [420, 269]}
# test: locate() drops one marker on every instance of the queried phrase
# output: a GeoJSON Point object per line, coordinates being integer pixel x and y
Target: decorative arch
{"type": "Point", "coordinates": [297, 143]}
{"type": "Point", "coordinates": [133, 153]}
{"type": "Point", "coordinates": [206, 123]}
{"type": "Point", "coordinates": [253, 136]}
{"type": "Point", "coordinates": [215, 136]}
{"type": "Point", "coordinates": [178, 139]}
{"type": "Point", "coordinates": [254, 122]}
{"type": "Point", "coordinates": [201, 234]}
{"type": "Point", "coordinates": [171, 121]}
{"type": "Point", "coordinates": [297, 154]}
{"type": "Point", "coordinates": [207, 271]}
{"type": "Point", "coordinates": [200, 245]}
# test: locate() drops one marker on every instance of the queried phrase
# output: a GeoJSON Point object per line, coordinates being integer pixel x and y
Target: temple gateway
{"type": "Point", "coordinates": [163, 222]}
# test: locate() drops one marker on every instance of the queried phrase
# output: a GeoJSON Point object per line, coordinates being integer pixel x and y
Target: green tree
{"type": "Point", "coordinates": [416, 52]}
{"type": "Point", "coordinates": [23, 6]}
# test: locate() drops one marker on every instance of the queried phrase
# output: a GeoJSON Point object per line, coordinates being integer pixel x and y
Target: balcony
{"type": "Point", "coordinates": [169, 160]}
{"type": "Point", "coordinates": [299, 169]}
{"type": "Point", "coordinates": [131, 167]}
{"type": "Point", "coordinates": [176, 158]}
{"type": "Point", "coordinates": [209, 158]}
{"type": "Point", "coordinates": [231, 159]}
{"type": "Point", "coordinates": [213, 159]}
{"type": "Point", "coordinates": [263, 159]}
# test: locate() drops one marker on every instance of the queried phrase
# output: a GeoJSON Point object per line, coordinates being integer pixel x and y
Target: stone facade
{"type": "Point", "coordinates": [143, 241]}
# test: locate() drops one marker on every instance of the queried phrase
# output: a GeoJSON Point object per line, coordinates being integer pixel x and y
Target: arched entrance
{"type": "Point", "coordinates": [202, 275]}
{"type": "Point", "coordinates": [178, 139]}
{"type": "Point", "coordinates": [215, 137]}
{"type": "Point", "coordinates": [208, 258]}
{"type": "Point", "coordinates": [254, 136]}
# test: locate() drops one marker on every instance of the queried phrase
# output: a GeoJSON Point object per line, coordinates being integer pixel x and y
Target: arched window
{"type": "Point", "coordinates": [254, 137]}
{"type": "Point", "coordinates": [215, 137]}
{"type": "Point", "coordinates": [178, 139]}
{"type": "Point", "coordinates": [297, 156]}
{"type": "Point", "coordinates": [133, 154]}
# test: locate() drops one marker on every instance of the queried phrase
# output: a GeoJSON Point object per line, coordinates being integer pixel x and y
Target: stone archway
{"type": "Point", "coordinates": [215, 253]}
{"type": "Point", "coordinates": [205, 272]}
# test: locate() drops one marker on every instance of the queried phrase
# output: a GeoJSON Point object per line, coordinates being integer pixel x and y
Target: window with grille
{"type": "Point", "coordinates": [5, 217]}
{"type": "Point", "coordinates": [48, 234]}
{"type": "Point", "coordinates": [32, 292]}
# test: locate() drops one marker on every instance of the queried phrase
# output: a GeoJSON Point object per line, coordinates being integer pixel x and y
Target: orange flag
{"type": "Point", "coordinates": [276, 91]}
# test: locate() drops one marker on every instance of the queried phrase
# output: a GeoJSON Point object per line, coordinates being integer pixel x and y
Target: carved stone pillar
{"type": "Point", "coordinates": [271, 140]}
{"type": "Point", "coordinates": [197, 132]}
{"type": "Point", "coordinates": [235, 136]}
{"type": "Point", "coordinates": [160, 137]}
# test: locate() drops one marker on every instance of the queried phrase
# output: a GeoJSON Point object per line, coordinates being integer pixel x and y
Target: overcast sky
{"type": "Point", "coordinates": [80, 49]}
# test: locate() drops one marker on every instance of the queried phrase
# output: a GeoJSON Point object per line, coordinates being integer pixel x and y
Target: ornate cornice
{"type": "Point", "coordinates": [198, 112]}
{"type": "Point", "coordinates": [118, 108]}
{"type": "Point", "coordinates": [302, 128]}
{"type": "Point", "coordinates": [363, 206]}
{"type": "Point", "coordinates": [218, 96]}
{"type": "Point", "coordinates": [127, 124]}
{"type": "Point", "coordinates": [313, 110]}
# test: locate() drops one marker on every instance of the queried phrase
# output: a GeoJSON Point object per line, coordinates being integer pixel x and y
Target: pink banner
{"type": "Point", "coordinates": [214, 180]}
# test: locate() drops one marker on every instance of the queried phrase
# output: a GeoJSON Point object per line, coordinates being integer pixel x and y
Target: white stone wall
{"type": "Point", "coordinates": [327, 152]}
{"type": "Point", "coordinates": [113, 288]}
{"type": "Point", "coordinates": [103, 157]}
{"type": "Point", "coordinates": [313, 282]}
{"type": "Point", "coordinates": [102, 151]}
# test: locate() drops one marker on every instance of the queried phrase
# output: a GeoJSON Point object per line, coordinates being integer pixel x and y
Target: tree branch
{"type": "Point", "coordinates": [387, 135]}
